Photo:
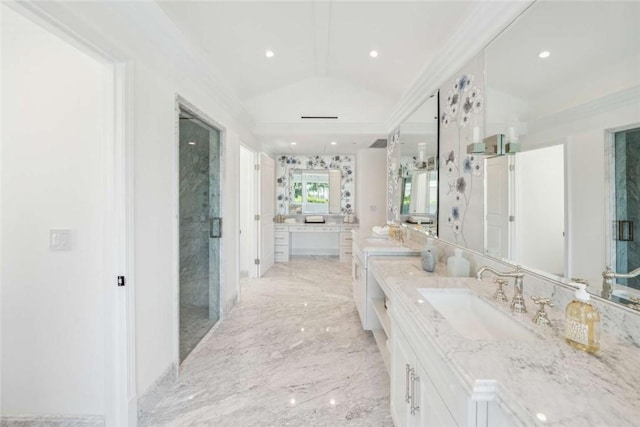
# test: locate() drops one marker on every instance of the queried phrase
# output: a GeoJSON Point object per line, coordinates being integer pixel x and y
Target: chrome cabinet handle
{"type": "Point", "coordinates": [414, 380]}
{"type": "Point", "coordinates": [407, 392]}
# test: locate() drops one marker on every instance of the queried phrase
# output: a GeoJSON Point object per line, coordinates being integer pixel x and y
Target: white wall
{"type": "Point", "coordinates": [164, 64]}
{"type": "Point", "coordinates": [539, 240]}
{"type": "Point", "coordinates": [53, 335]}
{"type": "Point", "coordinates": [371, 187]}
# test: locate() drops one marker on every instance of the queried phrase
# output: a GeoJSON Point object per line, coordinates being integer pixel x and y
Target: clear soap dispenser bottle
{"type": "Point", "coordinates": [582, 328]}
{"type": "Point", "coordinates": [457, 265]}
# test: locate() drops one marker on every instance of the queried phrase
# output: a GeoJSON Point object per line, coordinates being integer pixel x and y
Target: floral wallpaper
{"type": "Point", "coordinates": [393, 181]}
{"type": "Point", "coordinates": [285, 164]}
{"type": "Point", "coordinates": [462, 175]}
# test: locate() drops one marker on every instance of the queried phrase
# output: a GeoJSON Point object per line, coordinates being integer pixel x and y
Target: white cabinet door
{"type": "Point", "coordinates": [359, 295]}
{"type": "Point", "coordinates": [497, 417]}
{"type": "Point", "coordinates": [402, 360]}
{"type": "Point", "coordinates": [430, 410]}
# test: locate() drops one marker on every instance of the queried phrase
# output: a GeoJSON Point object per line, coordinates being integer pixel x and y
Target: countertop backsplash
{"type": "Point", "coordinates": [616, 320]}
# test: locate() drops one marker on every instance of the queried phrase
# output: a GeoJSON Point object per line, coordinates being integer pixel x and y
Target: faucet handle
{"type": "Point", "coordinates": [541, 317]}
{"type": "Point", "coordinates": [499, 294]}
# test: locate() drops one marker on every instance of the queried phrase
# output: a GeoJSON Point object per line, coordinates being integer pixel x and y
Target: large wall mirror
{"type": "Point", "coordinates": [415, 167]}
{"type": "Point", "coordinates": [564, 81]}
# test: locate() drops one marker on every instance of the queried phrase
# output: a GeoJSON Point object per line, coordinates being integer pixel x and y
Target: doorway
{"type": "Point", "coordinates": [248, 211]}
{"type": "Point", "coordinates": [67, 306]}
{"type": "Point", "coordinates": [200, 228]}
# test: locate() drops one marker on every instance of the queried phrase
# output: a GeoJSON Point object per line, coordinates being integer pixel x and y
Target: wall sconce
{"type": "Point", "coordinates": [494, 145]}
{"type": "Point", "coordinates": [422, 150]}
{"type": "Point", "coordinates": [476, 147]}
{"type": "Point", "coordinates": [396, 171]}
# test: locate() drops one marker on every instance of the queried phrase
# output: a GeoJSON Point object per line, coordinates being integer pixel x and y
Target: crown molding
{"type": "Point", "coordinates": [158, 32]}
{"type": "Point", "coordinates": [321, 128]}
{"type": "Point", "coordinates": [604, 104]}
{"type": "Point", "coordinates": [484, 22]}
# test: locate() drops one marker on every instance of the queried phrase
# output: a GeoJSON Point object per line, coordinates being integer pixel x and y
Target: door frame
{"type": "Point", "coordinates": [610, 190]}
{"type": "Point", "coordinates": [255, 228]}
{"type": "Point", "coordinates": [118, 166]}
{"type": "Point", "coordinates": [181, 103]}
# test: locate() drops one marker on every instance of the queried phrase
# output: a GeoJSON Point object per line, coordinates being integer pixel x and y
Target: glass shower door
{"type": "Point", "coordinates": [199, 185]}
{"type": "Point", "coordinates": [627, 199]}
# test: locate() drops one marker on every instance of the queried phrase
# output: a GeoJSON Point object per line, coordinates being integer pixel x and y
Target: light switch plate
{"type": "Point", "coordinates": [60, 240]}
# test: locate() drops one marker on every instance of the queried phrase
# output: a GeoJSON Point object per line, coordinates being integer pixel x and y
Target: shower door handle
{"type": "Point", "coordinates": [216, 228]}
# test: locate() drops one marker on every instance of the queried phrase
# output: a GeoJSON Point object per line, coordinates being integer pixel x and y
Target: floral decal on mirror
{"type": "Point", "coordinates": [393, 182]}
{"type": "Point", "coordinates": [285, 165]}
{"type": "Point", "coordinates": [462, 105]}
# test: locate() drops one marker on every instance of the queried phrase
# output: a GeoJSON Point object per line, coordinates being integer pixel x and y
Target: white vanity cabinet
{"type": "Point", "coordinates": [320, 239]}
{"type": "Point", "coordinates": [414, 398]}
{"type": "Point", "coordinates": [281, 241]}
{"type": "Point", "coordinates": [346, 243]}
{"type": "Point", "coordinates": [424, 390]}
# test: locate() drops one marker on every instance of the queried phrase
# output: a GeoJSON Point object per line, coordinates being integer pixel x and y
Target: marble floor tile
{"type": "Point", "coordinates": [291, 353]}
{"type": "Point", "coordinates": [194, 325]}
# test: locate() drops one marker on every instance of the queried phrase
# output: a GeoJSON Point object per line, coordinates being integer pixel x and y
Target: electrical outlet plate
{"type": "Point", "coordinates": [60, 240]}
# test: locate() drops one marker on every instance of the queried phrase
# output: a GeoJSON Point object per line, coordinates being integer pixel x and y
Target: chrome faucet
{"type": "Point", "coordinates": [608, 276]}
{"type": "Point", "coordinates": [517, 303]}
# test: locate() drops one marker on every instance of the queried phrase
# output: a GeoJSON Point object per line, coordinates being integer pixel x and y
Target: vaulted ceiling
{"type": "Point", "coordinates": [321, 64]}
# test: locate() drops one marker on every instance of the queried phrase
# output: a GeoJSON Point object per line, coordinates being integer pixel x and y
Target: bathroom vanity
{"type": "Point", "coordinates": [456, 357]}
{"type": "Point", "coordinates": [367, 294]}
{"type": "Point", "coordinates": [299, 238]}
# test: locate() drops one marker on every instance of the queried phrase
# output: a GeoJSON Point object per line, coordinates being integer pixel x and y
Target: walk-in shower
{"type": "Point", "coordinates": [200, 227]}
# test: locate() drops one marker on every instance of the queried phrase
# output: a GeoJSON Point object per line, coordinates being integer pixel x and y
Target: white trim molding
{"type": "Point", "coordinates": [481, 26]}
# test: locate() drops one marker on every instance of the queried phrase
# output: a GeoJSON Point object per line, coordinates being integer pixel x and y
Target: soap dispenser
{"type": "Point", "coordinates": [582, 327]}
{"type": "Point", "coordinates": [457, 266]}
{"type": "Point", "coordinates": [428, 259]}
{"type": "Point", "coordinates": [429, 256]}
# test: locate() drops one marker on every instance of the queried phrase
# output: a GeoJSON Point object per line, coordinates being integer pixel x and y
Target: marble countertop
{"type": "Point", "coordinates": [542, 381]}
{"type": "Point", "coordinates": [383, 245]}
{"type": "Point", "coordinates": [319, 224]}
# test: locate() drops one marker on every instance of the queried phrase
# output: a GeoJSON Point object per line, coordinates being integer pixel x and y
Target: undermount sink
{"type": "Point", "coordinates": [474, 318]}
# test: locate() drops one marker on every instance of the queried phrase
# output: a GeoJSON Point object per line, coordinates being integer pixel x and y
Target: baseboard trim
{"type": "Point", "coordinates": [52, 421]}
{"type": "Point", "coordinates": [155, 393]}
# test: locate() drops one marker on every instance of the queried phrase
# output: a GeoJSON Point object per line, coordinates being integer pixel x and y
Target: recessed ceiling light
{"type": "Point", "coordinates": [269, 53]}
{"type": "Point", "coordinates": [191, 143]}
{"type": "Point", "coordinates": [333, 143]}
{"type": "Point", "coordinates": [544, 54]}
{"type": "Point", "coordinates": [293, 143]}
{"type": "Point", "coordinates": [373, 54]}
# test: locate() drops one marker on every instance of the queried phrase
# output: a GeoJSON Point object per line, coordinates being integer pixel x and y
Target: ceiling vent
{"type": "Point", "coordinates": [379, 143]}
{"type": "Point", "coordinates": [319, 117]}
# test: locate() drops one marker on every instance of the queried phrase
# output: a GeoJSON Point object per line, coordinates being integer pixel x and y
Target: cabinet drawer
{"type": "Point", "coordinates": [346, 239]}
{"type": "Point", "coordinates": [281, 253]}
{"type": "Point", "coordinates": [345, 254]}
{"type": "Point", "coordinates": [327, 229]}
{"type": "Point", "coordinates": [281, 258]}
{"type": "Point", "coordinates": [349, 227]}
{"type": "Point", "coordinates": [281, 238]}
{"type": "Point", "coordinates": [280, 227]}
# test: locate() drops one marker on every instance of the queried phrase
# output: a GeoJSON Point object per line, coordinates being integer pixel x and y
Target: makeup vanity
{"type": "Point", "coordinates": [299, 238]}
